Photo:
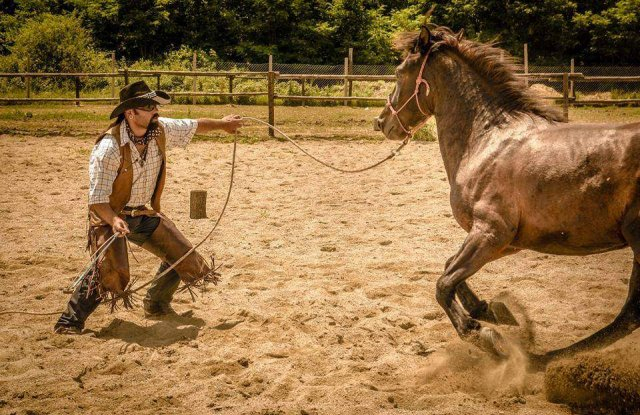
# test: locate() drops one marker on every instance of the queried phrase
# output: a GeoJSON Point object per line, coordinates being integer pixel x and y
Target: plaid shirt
{"type": "Point", "coordinates": [105, 160]}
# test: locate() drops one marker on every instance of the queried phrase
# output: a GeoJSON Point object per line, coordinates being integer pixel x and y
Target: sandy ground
{"type": "Point", "coordinates": [326, 304]}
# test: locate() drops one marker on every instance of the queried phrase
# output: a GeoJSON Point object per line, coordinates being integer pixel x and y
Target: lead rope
{"type": "Point", "coordinates": [390, 156]}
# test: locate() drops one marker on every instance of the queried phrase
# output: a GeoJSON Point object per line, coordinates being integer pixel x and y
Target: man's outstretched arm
{"type": "Point", "coordinates": [230, 124]}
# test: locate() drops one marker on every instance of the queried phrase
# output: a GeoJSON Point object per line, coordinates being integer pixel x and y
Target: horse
{"type": "Point", "coordinates": [520, 177]}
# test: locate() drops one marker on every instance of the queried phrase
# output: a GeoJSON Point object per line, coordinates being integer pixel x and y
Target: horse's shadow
{"type": "Point", "coordinates": [163, 332]}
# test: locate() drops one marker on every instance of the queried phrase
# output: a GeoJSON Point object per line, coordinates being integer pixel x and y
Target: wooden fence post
{"type": "Point", "coordinates": [346, 81]}
{"type": "Point", "coordinates": [565, 96]}
{"type": "Point", "coordinates": [157, 81]}
{"type": "Point", "coordinates": [198, 204]}
{"type": "Point", "coordinates": [195, 78]}
{"type": "Point", "coordinates": [113, 78]}
{"type": "Point", "coordinates": [303, 91]}
{"type": "Point", "coordinates": [271, 98]}
{"type": "Point", "coordinates": [28, 78]}
{"type": "Point", "coordinates": [231, 88]}
{"type": "Point", "coordinates": [77, 79]}
{"type": "Point", "coordinates": [350, 71]}
{"type": "Point", "coordinates": [126, 76]}
{"type": "Point", "coordinates": [526, 64]}
{"type": "Point", "coordinates": [572, 91]}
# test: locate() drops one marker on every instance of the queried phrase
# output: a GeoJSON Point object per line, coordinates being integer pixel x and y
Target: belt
{"type": "Point", "coordinates": [138, 211]}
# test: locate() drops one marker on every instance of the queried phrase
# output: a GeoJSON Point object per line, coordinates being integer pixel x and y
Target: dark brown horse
{"type": "Point", "coordinates": [519, 178]}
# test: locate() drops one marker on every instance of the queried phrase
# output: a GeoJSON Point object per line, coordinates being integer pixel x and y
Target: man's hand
{"type": "Point", "coordinates": [120, 227]}
{"type": "Point", "coordinates": [231, 123]}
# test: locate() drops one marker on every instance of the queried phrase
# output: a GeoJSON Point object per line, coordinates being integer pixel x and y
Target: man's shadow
{"type": "Point", "coordinates": [162, 332]}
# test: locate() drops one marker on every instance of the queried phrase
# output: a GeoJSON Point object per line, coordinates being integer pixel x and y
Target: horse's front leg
{"type": "Point", "coordinates": [495, 312]}
{"type": "Point", "coordinates": [485, 243]}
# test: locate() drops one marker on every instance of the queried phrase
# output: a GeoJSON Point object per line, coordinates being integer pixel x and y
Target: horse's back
{"type": "Point", "coordinates": [584, 150]}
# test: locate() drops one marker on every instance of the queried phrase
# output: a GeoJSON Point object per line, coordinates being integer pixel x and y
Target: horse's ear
{"type": "Point", "coordinates": [424, 40]}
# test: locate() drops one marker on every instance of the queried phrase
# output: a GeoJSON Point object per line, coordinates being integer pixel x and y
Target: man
{"type": "Point", "coordinates": [127, 171]}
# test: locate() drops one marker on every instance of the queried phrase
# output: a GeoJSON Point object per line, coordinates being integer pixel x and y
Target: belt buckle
{"type": "Point", "coordinates": [133, 212]}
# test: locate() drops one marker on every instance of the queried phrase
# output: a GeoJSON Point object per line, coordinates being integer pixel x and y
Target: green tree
{"type": "Point", "coordinates": [140, 28]}
{"type": "Point", "coordinates": [101, 18]}
{"type": "Point", "coordinates": [384, 25]}
{"type": "Point", "coordinates": [13, 13]}
{"type": "Point", "coordinates": [135, 29]}
{"type": "Point", "coordinates": [611, 36]}
{"type": "Point", "coordinates": [321, 31]}
{"type": "Point", "coordinates": [54, 43]}
{"type": "Point", "coordinates": [544, 24]}
{"type": "Point", "coordinates": [289, 30]}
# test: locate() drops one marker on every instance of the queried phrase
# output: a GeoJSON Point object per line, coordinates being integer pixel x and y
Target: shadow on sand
{"type": "Point", "coordinates": [163, 332]}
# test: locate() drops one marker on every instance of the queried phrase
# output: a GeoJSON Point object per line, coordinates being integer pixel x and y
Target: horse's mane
{"type": "Point", "coordinates": [491, 63]}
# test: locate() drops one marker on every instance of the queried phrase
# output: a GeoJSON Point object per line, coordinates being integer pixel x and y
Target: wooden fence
{"type": "Point", "coordinates": [568, 80]}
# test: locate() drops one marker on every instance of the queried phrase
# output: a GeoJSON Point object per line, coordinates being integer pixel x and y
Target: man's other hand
{"type": "Point", "coordinates": [120, 227]}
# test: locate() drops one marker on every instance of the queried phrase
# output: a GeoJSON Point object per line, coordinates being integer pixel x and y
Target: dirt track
{"type": "Point", "coordinates": [327, 300]}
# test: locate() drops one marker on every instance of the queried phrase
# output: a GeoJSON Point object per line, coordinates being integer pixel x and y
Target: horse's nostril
{"type": "Point", "coordinates": [377, 125]}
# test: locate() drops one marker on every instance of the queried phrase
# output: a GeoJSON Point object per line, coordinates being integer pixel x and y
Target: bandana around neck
{"type": "Point", "coordinates": [148, 136]}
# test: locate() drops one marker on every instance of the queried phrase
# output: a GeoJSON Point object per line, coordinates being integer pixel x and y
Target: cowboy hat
{"type": "Point", "coordinates": [138, 94]}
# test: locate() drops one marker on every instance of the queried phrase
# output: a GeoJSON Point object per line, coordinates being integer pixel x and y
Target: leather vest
{"type": "Point", "coordinates": [121, 190]}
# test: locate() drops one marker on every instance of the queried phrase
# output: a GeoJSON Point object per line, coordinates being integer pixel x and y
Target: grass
{"type": "Point", "coordinates": [333, 123]}
{"type": "Point", "coordinates": [604, 114]}
{"type": "Point", "coordinates": [87, 121]}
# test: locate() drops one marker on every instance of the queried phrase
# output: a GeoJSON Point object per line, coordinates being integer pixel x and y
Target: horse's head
{"type": "Point", "coordinates": [444, 59]}
{"type": "Point", "coordinates": [407, 107]}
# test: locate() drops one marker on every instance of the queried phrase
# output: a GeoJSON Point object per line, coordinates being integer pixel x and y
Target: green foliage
{"type": "Point", "coordinates": [378, 48]}
{"type": "Point", "coordinates": [427, 133]}
{"type": "Point", "coordinates": [612, 35]}
{"type": "Point", "coordinates": [305, 31]}
{"type": "Point", "coordinates": [53, 43]}
{"type": "Point", "coordinates": [100, 17]}
{"type": "Point", "coordinates": [15, 13]}
{"type": "Point", "coordinates": [544, 24]}
{"type": "Point", "coordinates": [182, 60]}
{"type": "Point", "coordinates": [8, 25]}
{"type": "Point", "coordinates": [625, 94]}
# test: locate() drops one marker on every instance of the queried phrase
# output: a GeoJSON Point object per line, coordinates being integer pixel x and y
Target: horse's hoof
{"type": "Point", "coordinates": [492, 341]}
{"type": "Point", "coordinates": [501, 314]}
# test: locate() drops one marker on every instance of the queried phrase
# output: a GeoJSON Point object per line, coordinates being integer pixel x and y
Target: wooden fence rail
{"type": "Point", "coordinates": [60, 75]}
{"type": "Point", "coordinates": [11, 100]}
{"type": "Point", "coordinates": [285, 77]}
{"type": "Point", "coordinates": [271, 77]}
{"type": "Point", "coordinates": [135, 72]}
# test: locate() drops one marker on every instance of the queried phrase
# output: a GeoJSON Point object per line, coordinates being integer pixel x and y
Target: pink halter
{"type": "Point", "coordinates": [419, 81]}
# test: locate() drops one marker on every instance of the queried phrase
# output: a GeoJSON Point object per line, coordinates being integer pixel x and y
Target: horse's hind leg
{"type": "Point", "coordinates": [484, 244]}
{"type": "Point", "coordinates": [627, 320]}
{"type": "Point", "coordinates": [624, 324]}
